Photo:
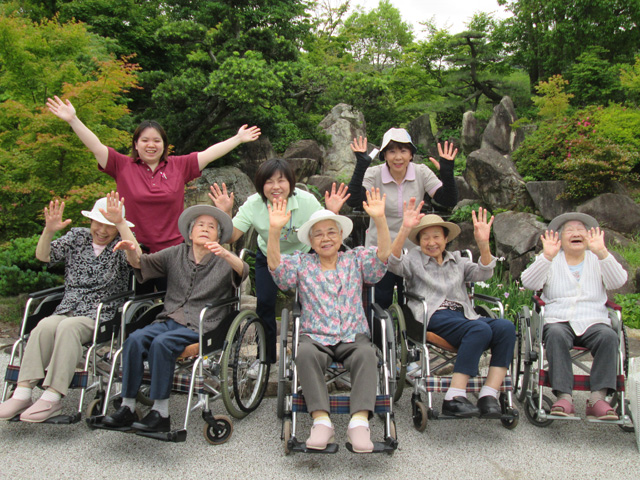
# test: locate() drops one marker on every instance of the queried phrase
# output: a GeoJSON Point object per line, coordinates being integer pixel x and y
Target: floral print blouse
{"type": "Point", "coordinates": [331, 300]}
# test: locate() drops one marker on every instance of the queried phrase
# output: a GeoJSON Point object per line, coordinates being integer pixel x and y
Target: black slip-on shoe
{"type": "Point", "coordinates": [123, 417]}
{"type": "Point", "coordinates": [489, 407]}
{"type": "Point", "coordinates": [459, 407]}
{"type": "Point", "coordinates": [153, 422]}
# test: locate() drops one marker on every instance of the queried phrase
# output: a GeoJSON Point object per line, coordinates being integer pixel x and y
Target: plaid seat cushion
{"type": "Point", "coordinates": [339, 404]}
{"type": "Point", "coordinates": [80, 378]}
{"type": "Point", "coordinates": [580, 382]}
{"type": "Point", "coordinates": [441, 384]}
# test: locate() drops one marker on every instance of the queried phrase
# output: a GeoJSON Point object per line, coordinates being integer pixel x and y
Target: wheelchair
{"type": "Point", "coordinates": [424, 361]}
{"type": "Point", "coordinates": [97, 352]}
{"type": "Point", "coordinates": [228, 362]}
{"type": "Point", "coordinates": [532, 368]}
{"type": "Point", "coordinates": [290, 401]}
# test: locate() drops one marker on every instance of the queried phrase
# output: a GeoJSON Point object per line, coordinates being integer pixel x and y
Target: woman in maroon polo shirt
{"type": "Point", "coordinates": [151, 181]}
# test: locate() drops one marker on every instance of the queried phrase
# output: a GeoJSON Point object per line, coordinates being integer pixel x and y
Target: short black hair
{"type": "Point", "coordinates": [268, 169]}
{"type": "Point", "coordinates": [141, 128]}
{"type": "Point", "coordinates": [392, 144]}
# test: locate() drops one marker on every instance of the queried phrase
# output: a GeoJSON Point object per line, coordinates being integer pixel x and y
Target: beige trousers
{"type": "Point", "coordinates": [54, 349]}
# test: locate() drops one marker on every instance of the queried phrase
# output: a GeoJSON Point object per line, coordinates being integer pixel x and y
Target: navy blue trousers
{"type": "Point", "coordinates": [266, 294]}
{"type": "Point", "coordinates": [472, 337]}
{"type": "Point", "coordinates": [160, 344]}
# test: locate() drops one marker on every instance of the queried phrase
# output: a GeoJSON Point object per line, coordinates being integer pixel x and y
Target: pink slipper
{"type": "Point", "coordinates": [40, 411]}
{"type": "Point", "coordinates": [563, 408]}
{"type": "Point", "coordinates": [601, 410]}
{"type": "Point", "coordinates": [360, 438]}
{"type": "Point", "coordinates": [13, 407]}
{"type": "Point", "coordinates": [320, 436]}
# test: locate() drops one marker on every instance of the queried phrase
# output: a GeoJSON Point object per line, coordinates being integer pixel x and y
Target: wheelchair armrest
{"type": "Point", "coordinates": [246, 253]}
{"type": "Point", "coordinates": [538, 301]}
{"type": "Point", "coordinates": [378, 310]}
{"type": "Point", "coordinates": [487, 298]}
{"type": "Point", "coordinates": [222, 302]}
{"type": "Point", "coordinates": [47, 292]}
{"type": "Point", "coordinates": [613, 306]}
{"type": "Point", "coordinates": [414, 296]}
{"type": "Point", "coordinates": [118, 296]}
{"type": "Point", "coordinates": [149, 296]}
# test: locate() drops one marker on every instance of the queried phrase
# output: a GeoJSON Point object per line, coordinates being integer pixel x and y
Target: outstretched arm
{"type": "Point", "coordinates": [278, 218]}
{"type": "Point", "coordinates": [128, 241]}
{"type": "Point", "coordinates": [356, 191]}
{"type": "Point", "coordinates": [53, 223]}
{"type": "Point", "coordinates": [220, 149]}
{"type": "Point", "coordinates": [65, 111]}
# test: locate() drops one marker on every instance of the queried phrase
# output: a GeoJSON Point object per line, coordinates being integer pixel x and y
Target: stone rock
{"type": "Point", "coordinates": [322, 183]}
{"type": "Point", "coordinates": [545, 198]}
{"type": "Point", "coordinates": [303, 167]}
{"type": "Point", "coordinates": [255, 154]}
{"type": "Point", "coordinates": [628, 287]}
{"type": "Point", "coordinates": [343, 124]}
{"type": "Point", "coordinates": [495, 178]}
{"type": "Point", "coordinates": [517, 264]}
{"type": "Point", "coordinates": [617, 212]}
{"type": "Point", "coordinates": [422, 135]}
{"type": "Point", "coordinates": [305, 149]}
{"type": "Point", "coordinates": [615, 239]}
{"type": "Point", "coordinates": [235, 179]}
{"type": "Point", "coordinates": [465, 241]}
{"type": "Point", "coordinates": [499, 135]}
{"type": "Point", "coordinates": [471, 133]}
{"type": "Point", "coordinates": [516, 233]}
{"type": "Point", "coordinates": [637, 280]}
{"type": "Point", "coordinates": [465, 192]}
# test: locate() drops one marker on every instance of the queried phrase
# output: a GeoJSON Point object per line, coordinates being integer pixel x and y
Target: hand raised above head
{"type": "Point", "coordinates": [63, 110]}
{"type": "Point", "coordinates": [278, 215]}
{"type": "Point", "coordinates": [115, 205]}
{"type": "Point", "coordinates": [359, 144]}
{"type": "Point", "coordinates": [411, 213]}
{"type": "Point", "coordinates": [248, 134]}
{"type": "Point", "coordinates": [550, 244]}
{"type": "Point", "coordinates": [481, 227]}
{"type": "Point", "coordinates": [447, 153]}
{"type": "Point", "coordinates": [374, 204]}
{"type": "Point", "coordinates": [221, 198]}
{"type": "Point", "coordinates": [124, 245]}
{"type": "Point", "coordinates": [53, 217]}
{"type": "Point", "coordinates": [595, 242]}
{"type": "Point", "coordinates": [335, 200]}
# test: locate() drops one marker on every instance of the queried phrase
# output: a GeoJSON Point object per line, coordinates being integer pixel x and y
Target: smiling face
{"type": "Point", "coordinates": [101, 233]}
{"type": "Point", "coordinates": [276, 186]}
{"type": "Point", "coordinates": [204, 230]}
{"type": "Point", "coordinates": [398, 156]}
{"type": "Point", "coordinates": [150, 146]}
{"type": "Point", "coordinates": [433, 242]}
{"type": "Point", "coordinates": [573, 237]}
{"type": "Point", "coordinates": [325, 238]}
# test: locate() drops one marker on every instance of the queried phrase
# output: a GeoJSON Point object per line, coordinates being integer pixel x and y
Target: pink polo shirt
{"type": "Point", "coordinates": [154, 200]}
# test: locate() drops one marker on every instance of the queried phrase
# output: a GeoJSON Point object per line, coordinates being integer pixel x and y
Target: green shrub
{"type": "Point", "coordinates": [630, 304]}
{"type": "Point", "coordinates": [512, 294]}
{"type": "Point", "coordinates": [463, 214]}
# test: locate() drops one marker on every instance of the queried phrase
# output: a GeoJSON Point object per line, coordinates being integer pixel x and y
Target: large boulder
{"type": "Point", "coordinates": [255, 154]}
{"type": "Point", "coordinates": [465, 192]}
{"type": "Point", "coordinates": [516, 235]}
{"type": "Point", "coordinates": [465, 241]}
{"type": "Point", "coordinates": [499, 134]}
{"type": "Point", "coordinates": [305, 149]}
{"type": "Point", "coordinates": [471, 133]}
{"type": "Point", "coordinates": [235, 179]}
{"type": "Point", "coordinates": [422, 135]}
{"type": "Point", "coordinates": [628, 287]}
{"type": "Point", "coordinates": [545, 196]}
{"type": "Point", "coordinates": [303, 167]}
{"type": "Point", "coordinates": [322, 183]}
{"type": "Point", "coordinates": [495, 178]}
{"type": "Point", "coordinates": [617, 212]}
{"type": "Point", "coordinates": [343, 124]}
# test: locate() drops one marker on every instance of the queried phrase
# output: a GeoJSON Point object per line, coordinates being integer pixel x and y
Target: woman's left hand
{"type": "Point", "coordinates": [374, 205]}
{"type": "Point", "coordinates": [115, 205]}
{"type": "Point", "coordinates": [481, 228]}
{"type": "Point", "coordinates": [248, 134]}
{"type": "Point", "coordinates": [595, 242]}
{"type": "Point", "coordinates": [447, 153]}
{"type": "Point", "coordinates": [335, 200]}
{"type": "Point", "coordinates": [217, 249]}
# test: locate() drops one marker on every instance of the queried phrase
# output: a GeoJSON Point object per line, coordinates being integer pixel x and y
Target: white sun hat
{"type": "Point", "coordinates": [346, 225]}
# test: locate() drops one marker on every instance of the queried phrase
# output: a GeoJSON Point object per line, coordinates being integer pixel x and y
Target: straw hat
{"type": "Point", "coordinates": [432, 220]}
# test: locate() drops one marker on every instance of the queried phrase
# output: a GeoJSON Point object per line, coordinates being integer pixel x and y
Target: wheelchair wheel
{"type": "Point", "coordinates": [420, 416]}
{"type": "Point", "coordinates": [530, 410]}
{"type": "Point", "coordinates": [245, 369]}
{"type": "Point", "coordinates": [522, 372]}
{"type": "Point", "coordinates": [485, 311]}
{"type": "Point", "coordinates": [219, 435]}
{"type": "Point", "coordinates": [94, 408]}
{"type": "Point", "coordinates": [286, 435]}
{"type": "Point", "coordinates": [400, 333]}
{"type": "Point", "coordinates": [282, 364]}
{"type": "Point", "coordinates": [143, 396]}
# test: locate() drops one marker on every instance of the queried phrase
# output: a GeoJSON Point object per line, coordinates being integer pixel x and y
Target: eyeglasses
{"type": "Point", "coordinates": [574, 230]}
{"type": "Point", "coordinates": [332, 234]}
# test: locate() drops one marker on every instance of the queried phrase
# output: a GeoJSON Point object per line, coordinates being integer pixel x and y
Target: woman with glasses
{"type": "Point", "coordinates": [275, 180]}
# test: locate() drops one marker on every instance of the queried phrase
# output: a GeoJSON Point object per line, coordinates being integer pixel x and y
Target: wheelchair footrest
{"type": "Point", "coordinates": [300, 447]}
{"type": "Point", "coordinates": [172, 436]}
{"type": "Point", "coordinates": [57, 420]}
{"type": "Point", "coordinates": [378, 447]}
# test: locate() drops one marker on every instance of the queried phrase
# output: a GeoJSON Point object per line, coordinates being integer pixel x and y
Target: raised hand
{"type": "Point", "coordinates": [53, 217]}
{"type": "Point", "coordinates": [550, 244]}
{"type": "Point", "coordinates": [481, 228]}
{"type": "Point", "coordinates": [411, 213]}
{"type": "Point", "coordinates": [115, 205]}
{"type": "Point", "coordinates": [124, 245]}
{"type": "Point", "coordinates": [246, 134]}
{"type": "Point", "coordinates": [374, 204]}
{"type": "Point", "coordinates": [278, 215]}
{"type": "Point", "coordinates": [220, 198]}
{"type": "Point", "coordinates": [335, 200]}
{"type": "Point", "coordinates": [359, 144]}
{"type": "Point", "coordinates": [63, 110]}
{"type": "Point", "coordinates": [595, 242]}
{"type": "Point", "coordinates": [448, 153]}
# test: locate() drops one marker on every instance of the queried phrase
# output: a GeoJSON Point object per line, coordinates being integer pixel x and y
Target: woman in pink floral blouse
{"type": "Point", "coordinates": [333, 323]}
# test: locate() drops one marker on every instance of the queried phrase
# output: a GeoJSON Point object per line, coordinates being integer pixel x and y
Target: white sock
{"type": "Point", "coordinates": [162, 407]}
{"type": "Point", "coordinates": [358, 422]}
{"type": "Point", "coordinates": [598, 395]}
{"type": "Point", "coordinates": [22, 393]}
{"type": "Point", "coordinates": [51, 396]}
{"type": "Point", "coordinates": [455, 392]}
{"type": "Point", "coordinates": [130, 403]}
{"type": "Point", "coordinates": [488, 391]}
{"type": "Point", "coordinates": [323, 420]}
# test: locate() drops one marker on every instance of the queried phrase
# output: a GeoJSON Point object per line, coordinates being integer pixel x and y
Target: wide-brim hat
{"type": "Point", "coordinates": [225, 225]}
{"type": "Point", "coordinates": [399, 135]}
{"type": "Point", "coordinates": [94, 213]}
{"type": "Point", "coordinates": [587, 220]}
{"type": "Point", "coordinates": [432, 220]}
{"type": "Point", "coordinates": [346, 225]}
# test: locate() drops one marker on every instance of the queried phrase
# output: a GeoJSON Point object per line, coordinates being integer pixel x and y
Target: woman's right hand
{"type": "Point", "coordinates": [53, 217]}
{"type": "Point", "coordinates": [278, 215]}
{"type": "Point", "coordinates": [62, 110]}
{"type": "Point", "coordinates": [359, 144]}
{"type": "Point", "coordinates": [550, 244]}
{"type": "Point", "coordinates": [221, 198]}
{"type": "Point", "coordinates": [124, 245]}
{"type": "Point", "coordinates": [411, 213]}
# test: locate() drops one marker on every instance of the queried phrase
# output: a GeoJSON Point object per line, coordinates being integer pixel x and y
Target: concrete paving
{"type": "Point", "coordinates": [458, 449]}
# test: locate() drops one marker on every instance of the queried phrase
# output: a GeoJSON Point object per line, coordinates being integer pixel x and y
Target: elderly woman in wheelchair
{"type": "Point", "coordinates": [333, 323]}
{"type": "Point", "coordinates": [440, 276]}
{"type": "Point", "coordinates": [93, 271]}
{"type": "Point", "coordinates": [198, 272]}
{"type": "Point", "coordinates": [574, 271]}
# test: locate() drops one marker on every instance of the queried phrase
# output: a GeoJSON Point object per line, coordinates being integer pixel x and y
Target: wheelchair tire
{"type": "Point", "coordinates": [286, 435]}
{"type": "Point", "coordinates": [223, 423]}
{"type": "Point", "coordinates": [282, 364]}
{"type": "Point", "coordinates": [245, 345]}
{"type": "Point", "coordinates": [420, 416]}
{"type": "Point", "coordinates": [94, 408]}
{"type": "Point", "coordinates": [530, 410]}
{"type": "Point", "coordinates": [400, 341]}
